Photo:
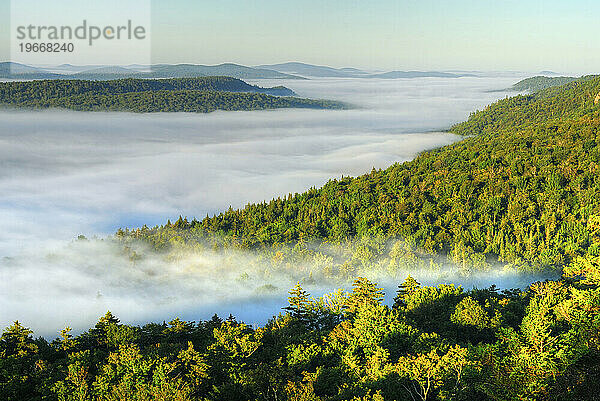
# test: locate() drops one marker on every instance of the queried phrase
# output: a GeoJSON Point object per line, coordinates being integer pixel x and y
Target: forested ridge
{"type": "Point", "coordinates": [519, 189]}
{"type": "Point", "coordinates": [182, 101]}
{"type": "Point", "coordinates": [560, 103]}
{"type": "Point", "coordinates": [204, 94]}
{"type": "Point", "coordinates": [22, 92]}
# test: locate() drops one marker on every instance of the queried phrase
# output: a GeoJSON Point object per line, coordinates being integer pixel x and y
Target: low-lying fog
{"type": "Point", "coordinates": [69, 173]}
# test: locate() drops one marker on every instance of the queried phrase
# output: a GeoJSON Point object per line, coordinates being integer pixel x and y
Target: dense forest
{"type": "Point", "coordinates": [519, 189]}
{"type": "Point", "coordinates": [31, 91]}
{"type": "Point", "coordinates": [536, 84]}
{"type": "Point", "coordinates": [554, 105]}
{"type": "Point", "coordinates": [203, 95]}
{"type": "Point", "coordinates": [181, 101]}
{"type": "Point", "coordinates": [433, 343]}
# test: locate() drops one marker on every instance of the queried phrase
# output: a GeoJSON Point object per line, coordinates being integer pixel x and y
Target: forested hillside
{"type": "Point", "coordinates": [561, 103]}
{"type": "Point", "coordinates": [181, 101]}
{"type": "Point", "coordinates": [520, 190]}
{"type": "Point", "coordinates": [25, 92]}
{"type": "Point", "coordinates": [536, 84]}
{"type": "Point", "coordinates": [141, 95]}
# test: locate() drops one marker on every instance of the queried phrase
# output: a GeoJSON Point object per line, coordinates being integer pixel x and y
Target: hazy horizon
{"type": "Point", "coordinates": [387, 35]}
{"type": "Point", "coordinates": [338, 67]}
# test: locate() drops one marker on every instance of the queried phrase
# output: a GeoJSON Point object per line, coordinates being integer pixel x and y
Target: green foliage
{"type": "Point", "coordinates": [364, 293]}
{"type": "Point", "coordinates": [298, 300]}
{"type": "Point", "coordinates": [19, 356]}
{"type": "Point", "coordinates": [405, 291]}
{"type": "Point", "coordinates": [469, 312]}
{"type": "Point", "coordinates": [376, 352]}
{"type": "Point", "coordinates": [556, 103]}
{"type": "Point", "coordinates": [433, 371]}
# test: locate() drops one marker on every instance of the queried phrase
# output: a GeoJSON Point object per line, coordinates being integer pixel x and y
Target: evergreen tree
{"type": "Point", "coordinates": [407, 288]}
{"type": "Point", "coordinates": [18, 354]}
{"type": "Point", "coordinates": [298, 301]}
{"type": "Point", "coordinates": [364, 293]}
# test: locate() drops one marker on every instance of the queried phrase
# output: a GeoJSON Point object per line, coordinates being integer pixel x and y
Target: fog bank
{"type": "Point", "coordinates": [72, 284]}
{"type": "Point", "coordinates": [69, 173]}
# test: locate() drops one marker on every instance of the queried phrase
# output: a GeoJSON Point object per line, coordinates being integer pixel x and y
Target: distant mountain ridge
{"type": "Point", "coordinates": [290, 70]}
{"type": "Point", "coordinates": [310, 70]}
{"type": "Point", "coordinates": [418, 74]}
{"type": "Point", "coordinates": [10, 70]}
{"type": "Point", "coordinates": [226, 69]}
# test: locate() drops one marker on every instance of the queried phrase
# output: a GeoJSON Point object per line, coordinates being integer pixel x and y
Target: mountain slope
{"type": "Point", "coordinates": [565, 102]}
{"type": "Point", "coordinates": [17, 68]}
{"type": "Point", "coordinates": [182, 101]}
{"type": "Point", "coordinates": [520, 190]}
{"type": "Point", "coordinates": [10, 70]}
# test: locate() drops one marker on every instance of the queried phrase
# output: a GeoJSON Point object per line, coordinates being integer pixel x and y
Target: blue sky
{"type": "Point", "coordinates": [386, 34]}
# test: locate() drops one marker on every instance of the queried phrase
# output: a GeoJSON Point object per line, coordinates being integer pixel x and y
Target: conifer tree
{"type": "Point", "coordinates": [407, 288]}
{"type": "Point", "coordinates": [364, 292]}
{"type": "Point", "coordinates": [298, 303]}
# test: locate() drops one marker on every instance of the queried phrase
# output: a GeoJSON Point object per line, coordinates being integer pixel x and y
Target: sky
{"type": "Point", "coordinates": [525, 35]}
